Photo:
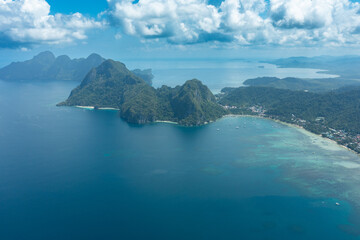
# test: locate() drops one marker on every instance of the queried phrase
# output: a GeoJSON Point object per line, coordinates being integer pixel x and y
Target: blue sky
{"type": "Point", "coordinates": [125, 29]}
{"type": "Point", "coordinates": [92, 8]}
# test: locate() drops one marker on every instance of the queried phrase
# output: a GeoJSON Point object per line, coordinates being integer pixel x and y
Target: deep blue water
{"type": "Point", "coordinates": [68, 173]}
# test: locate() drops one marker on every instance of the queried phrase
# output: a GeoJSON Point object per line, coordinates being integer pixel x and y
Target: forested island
{"type": "Point", "coordinates": [113, 85]}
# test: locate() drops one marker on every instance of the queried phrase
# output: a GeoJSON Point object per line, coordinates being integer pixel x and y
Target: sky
{"type": "Point", "coordinates": [146, 29]}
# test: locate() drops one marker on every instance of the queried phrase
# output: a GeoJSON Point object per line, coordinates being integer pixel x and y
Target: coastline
{"type": "Point", "coordinates": [116, 109]}
{"type": "Point", "coordinates": [93, 108]}
{"type": "Point", "coordinates": [300, 128]}
{"type": "Point", "coordinates": [326, 72]}
{"type": "Point", "coordinates": [169, 122]}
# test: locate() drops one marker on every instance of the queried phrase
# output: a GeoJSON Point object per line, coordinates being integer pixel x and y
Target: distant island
{"type": "Point", "coordinates": [113, 85]}
{"type": "Point", "coordinates": [347, 67]}
{"type": "Point", "coordinates": [301, 84]}
{"type": "Point", "coordinates": [46, 67]}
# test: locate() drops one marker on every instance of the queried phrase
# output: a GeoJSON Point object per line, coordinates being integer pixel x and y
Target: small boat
{"type": "Point", "coordinates": [337, 204]}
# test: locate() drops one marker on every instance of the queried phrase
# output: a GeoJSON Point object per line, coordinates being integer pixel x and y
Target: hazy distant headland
{"type": "Point", "coordinates": [302, 84]}
{"type": "Point", "coordinates": [347, 67]}
{"type": "Point", "coordinates": [46, 67]}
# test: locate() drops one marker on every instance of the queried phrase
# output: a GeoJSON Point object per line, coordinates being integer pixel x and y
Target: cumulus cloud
{"type": "Point", "coordinates": [27, 22]}
{"type": "Point", "coordinates": [177, 20]}
{"type": "Point", "coordinates": [317, 21]}
{"type": "Point", "coordinates": [244, 22]}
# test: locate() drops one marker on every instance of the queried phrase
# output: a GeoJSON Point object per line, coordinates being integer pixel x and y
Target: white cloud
{"type": "Point", "coordinates": [332, 22]}
{"type": "Point", "coordinates": [240, 22]}
{"type": "Point", "coordinates": [27, 22]}
{"type": "Point", "coordinates": [301, 13]}
{"type": "Point", "coordinates": [244, 22]}
{"type": "Point", "coordinates": [242, 19]}
{"type": "Point", "coordinates": [178, 20]}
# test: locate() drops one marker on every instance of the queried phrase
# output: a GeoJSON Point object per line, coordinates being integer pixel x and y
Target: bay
{"type": "Point", "coordinates": [217, 73]}
{"type": "Point", "coordinates": [68, 173]}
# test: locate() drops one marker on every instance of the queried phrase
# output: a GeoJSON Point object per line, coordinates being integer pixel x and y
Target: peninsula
{"type": "Point", "coordinates": [334, 115]}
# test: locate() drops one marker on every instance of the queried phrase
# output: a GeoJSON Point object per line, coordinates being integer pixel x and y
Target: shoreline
{"type": "Point", "coordinates": [241, 115]}
{"type": "Point", "coordinates": [318, 71]}
{"type": "Point", "coordinates": [93, 108]}
{"type": "Point", "coordinates": [116, 109]}
{"type": "Point", "coordinates": [169, 122]}
{"type": "Point", "coordinates": [294, 126]}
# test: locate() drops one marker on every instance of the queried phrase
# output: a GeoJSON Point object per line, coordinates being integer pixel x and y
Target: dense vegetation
{"type": "Point", "coordinates": [298, 84]}
{"type": "Point", "coordinates": [46, 67]}
{"type": "Point", "coordinates": [113, 85]}
{"type": "Point", "coordinates": [340, 109]}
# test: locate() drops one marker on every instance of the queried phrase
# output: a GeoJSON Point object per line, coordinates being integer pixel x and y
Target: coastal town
{"type": "Point", "coordinates": [317, 126]}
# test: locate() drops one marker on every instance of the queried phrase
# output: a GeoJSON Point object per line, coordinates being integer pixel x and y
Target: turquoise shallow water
{"type": "Point", "coordinates": [68, 173]}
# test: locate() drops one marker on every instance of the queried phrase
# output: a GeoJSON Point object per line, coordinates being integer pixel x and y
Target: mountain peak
{"type": "Point", "coordinates": [45, 56]}
{"type": "Point", "coordinates": [94, 57]}
{"type": "Point", "coordinates": [196, 90]}
{"type": "Point", "coordinates": [63, 58]}
{"type": "Point", "coordinates": [111, 65]}
{"type": "Point", "coordinates": [194, 83]}
{"type": "Point", "coordinates": [111, 71]}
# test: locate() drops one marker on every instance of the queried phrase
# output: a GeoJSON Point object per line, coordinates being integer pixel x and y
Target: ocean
{"type": "Point", "coordinates": [69, 173]}
{"type": "Point", "coordinates": [217, 73]}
